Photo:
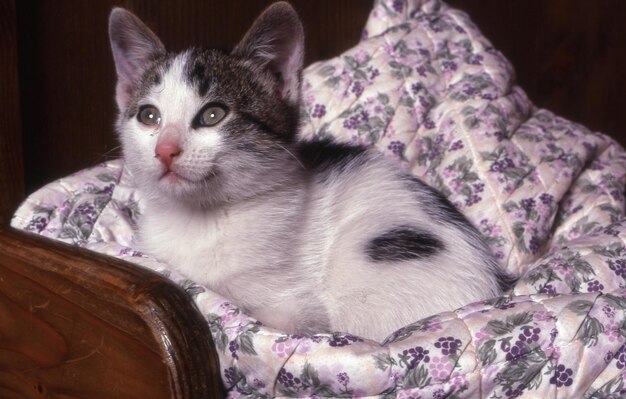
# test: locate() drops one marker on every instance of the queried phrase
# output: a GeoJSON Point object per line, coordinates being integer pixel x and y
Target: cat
{"type": "Point", "coordinates": [299, 234]}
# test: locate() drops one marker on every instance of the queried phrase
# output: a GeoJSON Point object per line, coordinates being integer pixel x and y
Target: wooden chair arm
{"type": "Point", "coordinates": [77, 324]}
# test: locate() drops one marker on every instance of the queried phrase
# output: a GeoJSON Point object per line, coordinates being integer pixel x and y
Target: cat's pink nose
{"type": "Point", "coordinates": [166, 152]}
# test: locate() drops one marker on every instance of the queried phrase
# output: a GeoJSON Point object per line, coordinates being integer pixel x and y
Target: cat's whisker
{"type": "Point", "coordinates": [108, 154]}
{"type": "Point", "coordinates": [293, 156]}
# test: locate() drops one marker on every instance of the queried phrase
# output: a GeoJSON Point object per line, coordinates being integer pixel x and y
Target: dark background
{"type": "Point", "coordinates": [57, 76]}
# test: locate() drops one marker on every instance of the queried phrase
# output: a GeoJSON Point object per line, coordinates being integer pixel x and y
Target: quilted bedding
{"type": "Point", "coordinates": [426, 88]}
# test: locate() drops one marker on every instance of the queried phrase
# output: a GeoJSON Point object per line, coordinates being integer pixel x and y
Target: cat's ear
{"type": "Point", "coordinates": [134, 47]}
{"type": "Point", "coordinates": [275, 44]}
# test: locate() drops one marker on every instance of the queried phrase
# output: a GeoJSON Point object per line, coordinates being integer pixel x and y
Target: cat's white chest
{"type": "Point", "coordinates": [240, 252]}
{"type": "Point", "coordinates": [193, 241]}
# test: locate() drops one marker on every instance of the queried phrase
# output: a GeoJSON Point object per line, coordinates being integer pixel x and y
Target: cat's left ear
{"type": "Point", "coordinates": [275, 44]}
{"type": "Point", "coordinates": [134, 47]}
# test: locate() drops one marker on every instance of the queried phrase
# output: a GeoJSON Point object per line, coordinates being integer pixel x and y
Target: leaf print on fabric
{"type": "Point", "coordinates": [384, 361]}
{"type": "Point", "coordinates": [510, 167]}
{"type": "Point", "coordinates": [471, 120]}
{"type": "Point", "coordinates": [462, 180]}
{"type": "Point", "coordinates": [580, 307]}
{"type": "Point", "coordinates": [589, 331]}
{"type": "Point", "coordinates": [472, 86]}
{"type": "Point", "coordinates": [411, 358]}
{"type": "Point", "coordinates": [613, 250]}
{"type": "Point", "coordinates": [192, 288]}
{"type": "Point", "coordinates": [313, 381]}
{"type": "Point", "coordinates": [129, 208]}
{"type": "Point", "coordinates": [524, 373]}
{"type": "Point", "coordinates": [487, 353]}
{"type": "Point", "coordinates": [512, 321]}
{"type": "Point", "coordinates": [232, 376]}
{"type": "Point", "coordinates": [613, 389]}
{"type": "Point", "coordinates": [40, 219]}
{"type": "Point", "coordinates": [236, 381]}
{"type": "Point", "coordinates": [530, 228]}
{"type": "Point", "coordinates": [493, 235]}
{"type": "Point", "coordinates": [417, 377]}
{"type": "Point", "coordinates": [616, 302]}
{"type": "Point", "coordinates": [217, 332]}
{"type": "Point", "coordinates": [431, 152]}
{"type": "Point", "coordinates": [108, 178]}
{"type": "Point", "coordinates": [568, 270]}
{"type": "Point", "coordinates": [583, 227]}
{"type": "Point", "coordinates": [367, 122]}
{"type": "Point", "coordinates": [245, 340]}
{"type": "Point", "coordinates": [81, 220]}
{"type": "Point", "coordinates": [429, 323]}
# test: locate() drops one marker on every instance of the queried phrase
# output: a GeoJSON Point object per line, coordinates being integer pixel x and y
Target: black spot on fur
{"type": "Point", "coordinates": [443, 211]}
{"type": "Point", "coordinates": [325, 154]}
{"type": "Point", "coordinates": [403, 243]}
{"type": "Point", "coordinates": [197, 75]}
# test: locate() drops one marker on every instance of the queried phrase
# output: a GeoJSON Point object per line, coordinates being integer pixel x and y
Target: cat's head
{"type": "Point", "coordinates": [204, 126]}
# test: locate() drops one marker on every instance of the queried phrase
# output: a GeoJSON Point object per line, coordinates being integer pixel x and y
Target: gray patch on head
{"type": "Point", "coordinates": [259, 116]}
{"type": "Point", "coordinates": [199, 69]}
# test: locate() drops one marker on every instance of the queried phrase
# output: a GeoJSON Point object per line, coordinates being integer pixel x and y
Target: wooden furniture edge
{"type": "Point", "coordinates": [11, 156]}
{"type": "Point", "coordinates": [181, 333]}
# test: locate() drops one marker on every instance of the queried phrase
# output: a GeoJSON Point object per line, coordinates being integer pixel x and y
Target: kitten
{"type": "Point", "coordinates": [299, 234]}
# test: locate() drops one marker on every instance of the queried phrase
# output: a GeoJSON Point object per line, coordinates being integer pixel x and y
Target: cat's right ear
{"type": "Point", "coordinates": [134, 47]}
{"type": "Point", "coordinates": [275, 45]}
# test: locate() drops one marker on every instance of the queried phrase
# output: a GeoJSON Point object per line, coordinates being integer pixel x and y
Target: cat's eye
{"type": "Point", "coordinates": [211, 115]}
{"type": "Point", "coordinates": [149, 115]}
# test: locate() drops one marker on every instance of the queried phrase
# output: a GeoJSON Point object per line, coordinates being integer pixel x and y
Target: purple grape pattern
{"type": "Point", "coordinates": [619, 267]}
{"type": "Point", "coordinates": [233, 347]}
{"type": "Point", "coordinates": [288, 380]}
{"type": "Point", "coordinates": [414, 356]}
{"type": "Point", "coordinates": [620, 358]}
{"type": "Point", "coordinates": [448, 345]}
{"type": "Point", "coordinates": [594, 286]}
{"type": "Point", "coordinates": [37, 224]}
{"type": "Point", "coordinates": [343, 340]}
{"type": "Point", "coordinates": [318, 111]}
{"type": "Point", "coordinates": [562, 376]}
{"type": "Point", "coordinates": [396, 148]}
